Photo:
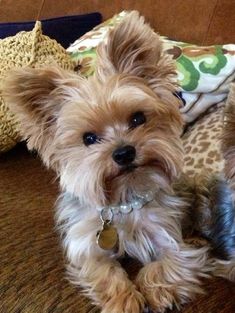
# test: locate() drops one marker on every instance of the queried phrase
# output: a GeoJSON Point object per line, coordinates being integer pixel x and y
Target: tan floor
{"type": "Point", "coordinates": [32, 278]}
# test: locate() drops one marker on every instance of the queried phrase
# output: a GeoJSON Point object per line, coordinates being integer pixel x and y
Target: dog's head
{"type": "Point", "coordinates": [114, 133]}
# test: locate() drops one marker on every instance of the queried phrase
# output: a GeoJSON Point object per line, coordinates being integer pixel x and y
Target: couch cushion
{"type": "Point", "coordinates": [202, 144]}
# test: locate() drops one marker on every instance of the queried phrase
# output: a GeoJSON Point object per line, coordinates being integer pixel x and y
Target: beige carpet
{"type": "Point", "coordinates": [32, 277]}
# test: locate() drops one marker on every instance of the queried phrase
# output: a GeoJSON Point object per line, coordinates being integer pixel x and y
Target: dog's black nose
{"type": "Point", "coordinates": [124, 155]}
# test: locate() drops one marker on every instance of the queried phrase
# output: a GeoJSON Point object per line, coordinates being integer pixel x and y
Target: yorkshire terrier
{"type": "Point", "coordinates": [114, 140]}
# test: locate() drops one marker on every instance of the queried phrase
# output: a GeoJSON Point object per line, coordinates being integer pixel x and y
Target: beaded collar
{"type": "Point", "coordinates": [107, 238]}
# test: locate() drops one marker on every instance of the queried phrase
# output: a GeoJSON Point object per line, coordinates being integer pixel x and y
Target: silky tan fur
{"type": "Point", "coordinates": [55, 108]}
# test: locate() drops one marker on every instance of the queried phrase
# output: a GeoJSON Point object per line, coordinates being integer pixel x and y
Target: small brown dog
{"type": "Point", "coordinates": [114, 140]}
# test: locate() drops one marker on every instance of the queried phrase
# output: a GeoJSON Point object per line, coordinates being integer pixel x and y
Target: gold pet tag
{"type": "Point", "coordinates": [107, 238]}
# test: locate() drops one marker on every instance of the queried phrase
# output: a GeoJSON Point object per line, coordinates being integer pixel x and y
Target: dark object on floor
{"type": "Point", "coordinates": [222, 235]}
{"type": "Point", "coordinates": [210, 213]}
{"type": "Point", "coordinates": [215, 216]}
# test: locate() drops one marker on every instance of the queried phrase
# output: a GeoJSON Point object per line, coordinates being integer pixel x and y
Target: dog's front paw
{"type": "Point", "coordinates": [225, 269]}
{"type": "Point", "coordinates": [159, 294]}
{"type": "Point", "coordinates": [159, 298]}
{"type": "Point", "coordinates": [162, 289]}
{"type": "Point", "coordinates": [128, 301]}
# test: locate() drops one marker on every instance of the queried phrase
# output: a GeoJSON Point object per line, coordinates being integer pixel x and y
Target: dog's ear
{"type": "Point", "coordinates": [34, 96]}
{"type": "Point", "coordinates": [132, 47]}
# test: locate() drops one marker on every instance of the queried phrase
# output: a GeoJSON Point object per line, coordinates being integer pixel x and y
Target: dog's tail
{"type": "Point", "coordinates": [228, 139]}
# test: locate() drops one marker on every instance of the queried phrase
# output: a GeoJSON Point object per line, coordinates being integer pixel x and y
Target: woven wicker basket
{"type": "Point", "coordinates": [25, 49]}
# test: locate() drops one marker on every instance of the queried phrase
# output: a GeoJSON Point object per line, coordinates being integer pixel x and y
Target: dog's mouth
{"type": "Point", "coordinates": [155, 164]}
{"type": "Point", "coordinates": [128, 168]}
{"type": "Point", "coordinates": [123, 171]}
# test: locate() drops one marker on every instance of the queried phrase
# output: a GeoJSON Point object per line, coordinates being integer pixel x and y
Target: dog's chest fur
{"type": "Point", "coordinates": [143, 234]}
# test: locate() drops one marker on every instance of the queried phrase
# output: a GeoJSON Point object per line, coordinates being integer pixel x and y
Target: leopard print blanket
{"type": "Point", "coordinates": [202, 144]}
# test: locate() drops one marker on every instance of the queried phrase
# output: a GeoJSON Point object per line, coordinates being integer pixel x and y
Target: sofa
{"type": "Point", "coordinates": [32, 271]}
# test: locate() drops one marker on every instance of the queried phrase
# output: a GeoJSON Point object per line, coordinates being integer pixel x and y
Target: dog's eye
{"type": "Point", "coordinates": [137, 119]}
{"type": "Point", "coordinates": [90, 139]}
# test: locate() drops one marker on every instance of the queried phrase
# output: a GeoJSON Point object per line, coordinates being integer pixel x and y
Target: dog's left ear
{"type": "Point", "coordinates": [133, 48]}
{"type": "Point", "coordinates": [35, 97]}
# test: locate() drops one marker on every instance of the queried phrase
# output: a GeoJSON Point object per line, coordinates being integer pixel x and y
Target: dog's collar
{"type": "Point", "coordinates": [107, 237]}
{"type": "Point", "coordinates": [138, 202]}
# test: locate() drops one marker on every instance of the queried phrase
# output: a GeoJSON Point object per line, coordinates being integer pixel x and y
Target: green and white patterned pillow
{"type": "Point", "coordinates": [204, 72]}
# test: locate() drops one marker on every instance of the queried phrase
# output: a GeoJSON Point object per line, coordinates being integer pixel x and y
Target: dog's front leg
{"type": "Point", "coordinates": [107, 284]}
{"type": "Point", "coordinates": [174, 278]}
{"type": "Point", "coordinates": [224, 268]}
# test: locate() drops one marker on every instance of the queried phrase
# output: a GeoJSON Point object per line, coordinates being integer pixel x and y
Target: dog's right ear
{"type": "Point", "coordinates": [132, 47]}
{"type": "Point", "coordinates": [35, 97]}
